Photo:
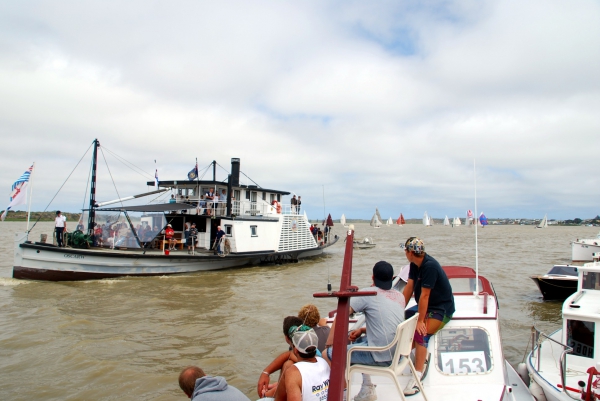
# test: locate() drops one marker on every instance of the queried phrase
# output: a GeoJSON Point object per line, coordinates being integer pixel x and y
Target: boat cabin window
{"type": "Point", "coordinates": [564, 270]}
{"type": "Point", "coordinates": [463, 351]}
{"type": "Point", "coordinates": [464, 284]}
{"type": "Point", "coordinates": [264, 195]}
{"type": "Point", "coordinates": [247, 195]}
{"type": "Point", "coordinates": [254, 231]}
{"type": "Point", "coordinates": [591, 281]}
{"type": "Point", "coordinates": [236, 194]}
{"type": "Point", "coordinates": [271, 198]}
{"type": "Point", "coordinates": [278, 197]}
{"type": "Point", "coordinates": [580, 337]}
{"type": "Point", "coordinates": [228, 230]}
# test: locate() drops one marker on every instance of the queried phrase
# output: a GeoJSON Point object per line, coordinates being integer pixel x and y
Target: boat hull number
{"type": "Point", "coordinates": [463, 362]}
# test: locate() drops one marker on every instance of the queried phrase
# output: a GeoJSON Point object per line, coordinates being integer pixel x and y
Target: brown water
{"type": "Point", "coordinates": [127, 339]}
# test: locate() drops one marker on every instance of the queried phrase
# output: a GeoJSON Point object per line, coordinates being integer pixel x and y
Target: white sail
{"type": "Point", "coordinates": [343, 220]}
{"type": "Point", "coordinates": [378, 215]}
{"type": "Point", "coordinates": [456, 222]}
{"type": "Point", "coordinates": [389, 222]}
{"type": "Point", "coordinates": [446, 221]}
{"type": "Point", "coordinates": [426, 220]}
{"type": "Point", "coordinates": [544, 222]}
{"type": "Point", "coordinates": [375, 222]}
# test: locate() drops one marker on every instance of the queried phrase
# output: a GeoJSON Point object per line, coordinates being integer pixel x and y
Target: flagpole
{"type": "Point", "coordinates": [30, 193]}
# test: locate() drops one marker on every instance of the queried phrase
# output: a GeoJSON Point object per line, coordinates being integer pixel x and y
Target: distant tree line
{"type": "Point", "coordinates": [21, 215]}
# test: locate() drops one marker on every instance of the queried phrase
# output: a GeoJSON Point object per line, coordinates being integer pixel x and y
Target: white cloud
{"type": "Point", "coordinates": [384, 103]}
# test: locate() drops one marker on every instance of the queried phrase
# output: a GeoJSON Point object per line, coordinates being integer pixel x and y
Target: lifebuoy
{"type": "Point", "coordinates": [278, 207]}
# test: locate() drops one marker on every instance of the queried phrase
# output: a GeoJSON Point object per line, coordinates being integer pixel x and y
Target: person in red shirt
{"type": "Point", "coordinates": [169, 236]}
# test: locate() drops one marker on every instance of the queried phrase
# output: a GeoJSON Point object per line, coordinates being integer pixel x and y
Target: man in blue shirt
{"type": "Point", "coordinates": [435, 302]}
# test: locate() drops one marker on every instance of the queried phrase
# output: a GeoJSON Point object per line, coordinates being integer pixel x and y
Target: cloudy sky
{"type": "Point", "coordinates": [382, 104]}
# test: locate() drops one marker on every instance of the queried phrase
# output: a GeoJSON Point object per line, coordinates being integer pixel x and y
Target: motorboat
{"type": "Point", "coordinates": [565, 364]}
{"type": "Point", "coordinates": [258, 228]}
{"type": "Point", "coordinates": [582, 250]}
{"type": "Point", "coordinates": [465, 359]}
{"type": "Point", "coordinates": [364, 243]}
{"type": "Point", "coordinates": [558, 283]}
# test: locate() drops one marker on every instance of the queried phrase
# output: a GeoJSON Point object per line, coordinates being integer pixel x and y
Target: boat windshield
{"type": "Point", "coordinates": [580, 336]}
{"type": "Point", "coordinates": [591, 281]}
{"type": "Point", "coordinates": [463, 351]}
{"type": "Point", "coordinates": [464, 284]}
{"type": "Point", "coordinates": [564, 270]}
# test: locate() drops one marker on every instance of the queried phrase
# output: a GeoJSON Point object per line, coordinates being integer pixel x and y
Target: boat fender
{"type": "Point", "coordinates": [536, 391]}
{"type": "Point", "coordinates": [278, 207]}
{"type": "Point", "coordinates": [523, 373]}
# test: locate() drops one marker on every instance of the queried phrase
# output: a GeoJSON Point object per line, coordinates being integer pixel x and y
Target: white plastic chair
{"type": "Point", "coordinates": [403, 341]}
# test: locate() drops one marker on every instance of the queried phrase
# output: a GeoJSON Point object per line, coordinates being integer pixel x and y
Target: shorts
{"type": "Point", "coordinates": [424, 339]}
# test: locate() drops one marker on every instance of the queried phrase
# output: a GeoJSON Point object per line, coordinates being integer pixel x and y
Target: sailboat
{"type": "Point", "coordinates": [483, 220]}
{"type": "Point", "coordinates": [389, 222]}
{"type": "Point", "coordinates": [378, 215]}
{"type": "Point", "coordinates": [446, 221]}
{"type": "Point", "coordinates": [426, 220]}
{"type": "Point", "coordinates": [343, 221]}
{"type": "Point", "coordinates": [456, 222]}
{"type": "Point", "coordinates": [543, 223]}
{"type": "Point", "coordinates": [401, 220]}
{"type": "Point", "coordinates": [375, 222]}
{"type": "Point", "coordinates": [469, 219]}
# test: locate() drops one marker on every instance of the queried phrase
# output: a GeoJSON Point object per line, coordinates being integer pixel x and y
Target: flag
{"type": "Point", "coordinates": [18, 193]}
{"type": "Point", "coordinates": [193, 174]}
{"type": "Point", "coordinates": [156, 178]}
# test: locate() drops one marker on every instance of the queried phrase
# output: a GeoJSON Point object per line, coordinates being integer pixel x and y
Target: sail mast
{"type": "Point", "coordinates": [92, 215]}
{"type": "Point", "coordinates": [30, 191]}
{"type": "Point", "coordinates": [476, 254]}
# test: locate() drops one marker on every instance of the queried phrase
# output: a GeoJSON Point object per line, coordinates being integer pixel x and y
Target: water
{"type": "Point", "coordinates": [128, 338]}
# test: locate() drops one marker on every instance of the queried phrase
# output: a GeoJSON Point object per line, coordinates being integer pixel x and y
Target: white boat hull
{"type": "Point", "coordinates": [582, 250]}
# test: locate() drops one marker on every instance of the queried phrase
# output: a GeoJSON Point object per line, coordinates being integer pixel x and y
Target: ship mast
{"type": "Point", "coordinates": [92, 215]}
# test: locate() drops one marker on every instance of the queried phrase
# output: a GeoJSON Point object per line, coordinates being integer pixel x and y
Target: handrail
{"type": "Point", "coordinates": [535, 341]}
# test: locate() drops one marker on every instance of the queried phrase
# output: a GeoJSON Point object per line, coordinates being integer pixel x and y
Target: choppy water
{"type": "Point", "coordinates": [126, 339]}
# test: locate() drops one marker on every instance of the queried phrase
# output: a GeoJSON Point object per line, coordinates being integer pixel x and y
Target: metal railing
{"type": "Point", "coordinates": [241, 207]}
{"type": "Point", "coordinates": [536, 344]}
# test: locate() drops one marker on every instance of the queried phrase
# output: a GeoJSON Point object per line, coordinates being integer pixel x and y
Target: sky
{"type": "Point", "coordinates": [407, 106]}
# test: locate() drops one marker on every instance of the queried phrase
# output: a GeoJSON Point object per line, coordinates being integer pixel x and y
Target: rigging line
{"type": "Point", "coordinates": [250, 179]}
{"type": "Point", "coordinates": [224, 169]}
{"type": "Point", "coordinates": [111, 177]}
{"type": "Point", "coordinates": [63, 184]}
{"type": "Point", "coordinates": [132, 166]}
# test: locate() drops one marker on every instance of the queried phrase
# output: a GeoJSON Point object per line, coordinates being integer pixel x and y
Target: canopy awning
{"type": "Point", "coordinates": [157, 207]}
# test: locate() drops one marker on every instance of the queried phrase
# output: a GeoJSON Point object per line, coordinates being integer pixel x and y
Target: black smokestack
{"type": "Point", "coordinates": [235, 172]}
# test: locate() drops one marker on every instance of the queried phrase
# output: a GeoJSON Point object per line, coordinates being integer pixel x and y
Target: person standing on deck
{"type": "Point", "coordinates": [210, 199]}
{"type": "Point", "coordinates": [294, 203]}
{"type": "Point", "coordinates": [299, 203]}
{"type": "Point", "coordinates": [218, 246]}
{"type": "Point", "coordinates": [222, 202]}
{"type": "Point", "coordinates": [191, 242]}
{"type": "Point", "coordinates": [60, 226]}
{"type": "Point", "coordinates": [435, 302]}
{"type": "Point", "coordinates": [172, 200]}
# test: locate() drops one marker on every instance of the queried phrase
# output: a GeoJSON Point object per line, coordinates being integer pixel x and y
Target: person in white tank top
{"type": "Point", "coordinates": [307, 379]}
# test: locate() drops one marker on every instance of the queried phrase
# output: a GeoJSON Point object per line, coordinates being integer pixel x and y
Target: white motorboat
{"type": "Point", "coordinates": [364, 243]}
{"type": "Point", "coordinates": [582, 250]}
{"type": "Point", "coordinates": [465, 361]}
{"type": "Point", "coordinates": [258, 228]}
{"type": "Point", "coordinates": [562, 364]}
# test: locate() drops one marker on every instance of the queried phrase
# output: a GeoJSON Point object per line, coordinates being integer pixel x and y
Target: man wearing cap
{"type": "Point", "coordinates": [169, 236]}
{"type": "Point", "coordinates": [218, 238]}
{"type": "Point", "coordinates": [307, 379]}
{"type": "Point", "coordinates": [199, 386]}
{"type": "Point", "coordinates": [192, 237]}
{"type": "Point", "coordinates": [435, 302]}
{"type": "Point", "coordinates": [383, 313]}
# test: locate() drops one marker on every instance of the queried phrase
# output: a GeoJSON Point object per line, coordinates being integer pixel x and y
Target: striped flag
{"type": "Point", "coordinates": [18, 193]}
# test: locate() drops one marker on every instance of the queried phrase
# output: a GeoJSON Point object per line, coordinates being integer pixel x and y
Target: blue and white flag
{"type": "Point", "coordinates": [156, 178]}
{"type": "Point", "coordinates": [18, 193]}
{"type": "Point", "coordinates": [193, 174]}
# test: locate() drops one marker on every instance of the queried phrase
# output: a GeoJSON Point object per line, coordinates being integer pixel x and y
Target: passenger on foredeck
{"type": "Point", "coordinates": [294, 204]}
{"type": "Point", "coordinates": [435, 302]}
{"type": "Point", "coordinates": [383, 313]}
{"type": "Point", "coordinates": [282, 362]}
{"type": "Point", "coordinates": [299, 203]}
{"type": "Point", "coordinates": [307, 379]}
{"type": "Point", "coordinates": [170, 237]}
{"type": "Point", "coordinates": [172, 200]}
{"type": "Point", "coordinates": [312, 318]}
{"type": "Point", "coordinates": [199, 386]}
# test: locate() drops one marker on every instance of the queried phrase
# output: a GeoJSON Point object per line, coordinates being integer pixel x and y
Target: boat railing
{"type": "Point", "coordinates": [537, 339]}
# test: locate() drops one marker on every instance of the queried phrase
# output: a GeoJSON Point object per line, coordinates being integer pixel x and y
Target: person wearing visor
{"type": "Point", "coordinates": [435, 302]}
{"type": "Point", "coordinates": [307, 379]}
{"type": "Point", "coordinates": [383, 313]}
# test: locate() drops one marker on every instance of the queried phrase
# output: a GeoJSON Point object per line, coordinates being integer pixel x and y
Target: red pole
{"type": "Point", "coordinates": [340, 337]}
